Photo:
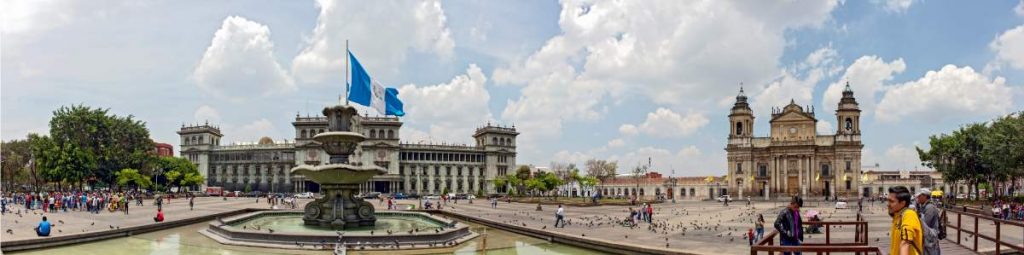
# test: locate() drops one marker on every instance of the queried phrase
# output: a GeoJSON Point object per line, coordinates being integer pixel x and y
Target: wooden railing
{"type": "Point", "coordinates": [997, 239]}
{"type": "Point", "coordinates": [858, 246]}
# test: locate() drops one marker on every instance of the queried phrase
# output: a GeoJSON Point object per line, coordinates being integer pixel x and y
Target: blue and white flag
{"type": "Point", "coordinates": [371, 93]}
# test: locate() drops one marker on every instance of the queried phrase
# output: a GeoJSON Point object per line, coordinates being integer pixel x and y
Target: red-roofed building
{"type": "Point", "coordinates": [163, 150]}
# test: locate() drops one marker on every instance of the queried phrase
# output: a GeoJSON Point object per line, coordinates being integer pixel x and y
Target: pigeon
{"type": "Point", "coordinates": [244, 227]}
{"type": "Point", "coordinates": [371, 232]}
{"type": "Point", "coordinates": [271, 230]}
{"type": "Point", "coordinates": [298, 244]}
{"type": "Point", "coordinates": [10, 231]}
{"type": "Point", "coordinates": [61, 222]}
{"type": "Point", "coordinates": [15, 221]}
{"type": "Point", "coordinates": [111, 226]}
{"type": "Point", "coordinates": [60, 231]}
{"type": "Point", "coordinates": [93, 224]}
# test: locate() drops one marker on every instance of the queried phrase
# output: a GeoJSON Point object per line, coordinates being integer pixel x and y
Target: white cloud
{"type": "Point", "coordinates": [666, 123]}
{"type": "Point", "coordinates": [207, 113]}
{"type": "Point", "coordinates": [616, 143]}
{"type": "Point", "coordinates": [449, 110]}
{"type": "Point", "coordinates": [240, 63]}
{"type": "Point", "coordinates": [948, 93]}
{"type": "Point", "coordinates": [1019, 10]}
{"type": "Point", "coordinates": [628, 130]}
{"type": "Point", "coordinates": [896, 6]}
{"type": "Point", "coordinates": [23, 16]}
{"type": "Point", "coordinates": [380, 34]}
{"type": "Point", "coordinates": [576, 157]}
{"type": "Point", "coordinates": [660, 51]}
{"type": "Point", "coordinates": [824, 127]}
{"type": "Point", "coordinates": [688, 161]}
{"type": "Point", "coordinates": [789, 87]}
{"type": "Point", "coordinates": [1009, 47]}
{"type": "Point", "coordinates": [253, 131]}
{"type": "Point", "coordinates": [866, 77]}
{"type": "Point", "coordinates": [896, 157]}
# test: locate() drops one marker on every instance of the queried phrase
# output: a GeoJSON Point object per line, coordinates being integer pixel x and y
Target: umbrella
{"type": "Point", "coordinates": [811, 213]}
{"type": "Point", "coordinates": [937, 193]}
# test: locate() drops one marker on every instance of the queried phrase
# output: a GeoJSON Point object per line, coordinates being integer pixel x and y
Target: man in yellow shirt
{"type": "Point", "coordinates": [905, 235]}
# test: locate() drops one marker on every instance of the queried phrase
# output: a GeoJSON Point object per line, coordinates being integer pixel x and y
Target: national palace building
{"type": "Point", "coordinates": [411, 168]}
{"type": "Point", "coordinates": [794, 159]}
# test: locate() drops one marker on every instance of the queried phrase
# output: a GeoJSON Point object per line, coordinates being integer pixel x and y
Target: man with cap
{"type": "Point", "coordinates": [929, 215]}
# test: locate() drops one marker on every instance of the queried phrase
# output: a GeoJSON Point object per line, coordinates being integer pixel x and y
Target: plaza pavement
{"type": "Point", "coordinates": [700, 227]}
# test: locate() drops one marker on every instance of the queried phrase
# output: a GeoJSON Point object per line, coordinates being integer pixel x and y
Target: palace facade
{"type": "Point", "coordinates": [411, 168]}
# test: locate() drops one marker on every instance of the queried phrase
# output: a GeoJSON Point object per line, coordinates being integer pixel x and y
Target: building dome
{"type": "Point", "coordinates": [266, 140]}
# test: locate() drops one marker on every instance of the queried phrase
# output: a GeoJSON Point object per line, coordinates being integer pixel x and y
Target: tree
{"type": "Point", "coordinates": [982, 154]}
{"type": "Point", "coordinates": [132, 176]}
{"type": "Point", "coordinates": [14, 163]}
{"type": "Point", "coordinates": [174, 170]}
{"type": "Point", "coordinates": [86, 142]}
{"type": "Point", "coordinates": [523, 172]}
{"type": "Point", "coordinates": [172, 178]}
{"type": "Point", "coordinates": [192, 179]}
{"type": "Point", "coordinates": [601, 169]}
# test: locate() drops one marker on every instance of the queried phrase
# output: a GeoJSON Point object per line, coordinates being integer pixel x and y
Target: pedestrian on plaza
{"type": "Point", "coordinates": [124, 201]}
{"type": "Point", "coordinates": [928, 213]}
{"type": "Point", "coordinates": [788, 223]}
{"type": "Point", "coordinates": [905, 234]}
{"type": "Point", "coordinates": [650, 213]}
{"type": "Point", "coordinates": [391, 204]}
{"type": "Point", "coordinates": [159, 215]}
{"type": "Point", "coordinates": [750, 236]}
{"type": "Point", "coordinates": [759, 226]}
{"type": "Point", "coordinates": [44, 228]}
{"type": "Point", "coordinates": [560, 216]}
{"type": "Point", "coordinates": [191, 203]}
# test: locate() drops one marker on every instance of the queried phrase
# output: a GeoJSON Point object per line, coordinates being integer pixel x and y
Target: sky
{"type": "Point", "coordinates": [614, 80]}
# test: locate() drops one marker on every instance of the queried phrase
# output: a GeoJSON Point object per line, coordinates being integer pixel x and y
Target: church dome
{"type": "Point", "coordinates": [266, 140]}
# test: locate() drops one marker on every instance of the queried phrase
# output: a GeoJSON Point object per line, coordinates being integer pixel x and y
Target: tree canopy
{"type": "Point", "coordinates": [979, 153]}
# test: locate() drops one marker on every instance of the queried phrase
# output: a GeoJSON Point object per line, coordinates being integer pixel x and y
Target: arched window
{"type": "Point", "coordinates": [693, 192]}
{"type": "Point", "coordinates": [849, 124]}
{"type": "Point", "coordinates": [739, 128]}
{"type": "Point", "coordinates": [824, 170]}
{"type": "Point", "coordinates": [391, 134]}
{"type": "Point", "coordinates": [373, 133]}
{"type": "Point", "coordinates": [303, 135]}
{"type": "Point", "coordinates": [494, 140]}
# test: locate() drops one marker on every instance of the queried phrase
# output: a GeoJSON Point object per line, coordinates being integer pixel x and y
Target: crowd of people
{"type": "Point", "coordinates": [1007, 210]}
{"type": "Point", "coordinates": [65, 201]}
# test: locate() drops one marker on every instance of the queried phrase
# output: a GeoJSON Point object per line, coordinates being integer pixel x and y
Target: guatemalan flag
{"type": "Point", "coordinates": [371, 93]}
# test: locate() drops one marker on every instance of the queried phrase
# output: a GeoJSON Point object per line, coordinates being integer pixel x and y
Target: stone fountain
{"type": "Point", "coordinates": [339, 179]}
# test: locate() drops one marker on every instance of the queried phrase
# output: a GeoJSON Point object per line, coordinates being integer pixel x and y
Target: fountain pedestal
{"type": "Point", "coordinates": [339, 180]}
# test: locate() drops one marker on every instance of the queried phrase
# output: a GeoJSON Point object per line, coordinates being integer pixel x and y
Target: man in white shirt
{"type": "Point", "coordinates": [560, 216]}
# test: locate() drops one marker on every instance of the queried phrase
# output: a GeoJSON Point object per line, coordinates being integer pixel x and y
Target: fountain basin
{"type": "Point", "coordinates": [432, 232]}
{"type": "Point", "coordinates": [338, 173]}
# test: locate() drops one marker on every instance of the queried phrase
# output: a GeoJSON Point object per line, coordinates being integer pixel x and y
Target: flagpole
{"type": "Point", "coordinates": [346, 72]}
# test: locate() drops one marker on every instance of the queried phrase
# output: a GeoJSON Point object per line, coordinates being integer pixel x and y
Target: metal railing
{"type": "Point", "coordinates": [858, 246]}
{"type": "Point", "coordinates": [997, 239]}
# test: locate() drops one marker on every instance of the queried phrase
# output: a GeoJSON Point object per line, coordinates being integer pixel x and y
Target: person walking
{"type": "Point", "coordinates": [788, 224]}
{"type": "Point", "coordinates": [650, 213]}
{"type": "Point", "coordinates": [759, 227]}
{"type": "Point", "coordinates": [905, 237]}
{"type": "Point", "coordinates": [191, 203]}
{"type": "Point", "coordinates": [560, 216]}
{"type": "Point", "coordinates": [928, 213]}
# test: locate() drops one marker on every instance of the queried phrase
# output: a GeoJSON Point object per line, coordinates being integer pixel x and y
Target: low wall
{"type": "Point", "coordinates": [46, 242]}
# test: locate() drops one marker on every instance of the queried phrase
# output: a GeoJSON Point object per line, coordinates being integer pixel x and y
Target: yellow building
{"type": "Point", "coordinates": [794, 159]}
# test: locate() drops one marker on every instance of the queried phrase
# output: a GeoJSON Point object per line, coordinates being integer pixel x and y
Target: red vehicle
{"type": "Point", "coordinates": [214, 191]}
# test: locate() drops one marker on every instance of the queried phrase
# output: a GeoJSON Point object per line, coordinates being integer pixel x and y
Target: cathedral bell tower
{"type": "Point", "coordinates": [848, 114]}
{"type": "Point", "coordinates": [741, 118]}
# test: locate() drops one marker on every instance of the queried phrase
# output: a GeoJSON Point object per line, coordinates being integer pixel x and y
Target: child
{"type": "Point", "coordinates": [750, 236]}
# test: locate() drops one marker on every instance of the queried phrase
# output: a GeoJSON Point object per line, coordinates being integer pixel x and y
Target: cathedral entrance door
{"type": "Point", "coordinates": [828, 189]}
{"type": "Point", "coordinates": [793, 185]}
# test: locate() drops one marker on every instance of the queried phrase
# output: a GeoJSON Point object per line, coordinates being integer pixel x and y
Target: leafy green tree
{"type": "Point", "coordinates": [132, 177]}
{"type": "Point", "coordinates": [192, 179]}
{"type": "Point", "coordinates": [173, 177]}
{"type": "Point", "coordinates": [15, 156]}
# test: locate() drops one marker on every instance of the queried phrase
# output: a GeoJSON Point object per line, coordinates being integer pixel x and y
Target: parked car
{"type": "Point", "coordinates": [232, 193]}
{"type": "Point", "coordinates": [371, 195]}
{"type": "Point", "coordinates": [724, 198]}
{"type": "Point", "coordinates": [304, 195]}
{"type": "Point", "coordinates": [398, 195]}
{"type": "Point", "coordinates": [841, 205]}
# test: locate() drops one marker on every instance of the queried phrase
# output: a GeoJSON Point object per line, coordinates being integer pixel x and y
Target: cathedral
{"type": "Point", "coordinates": [794, 159]}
